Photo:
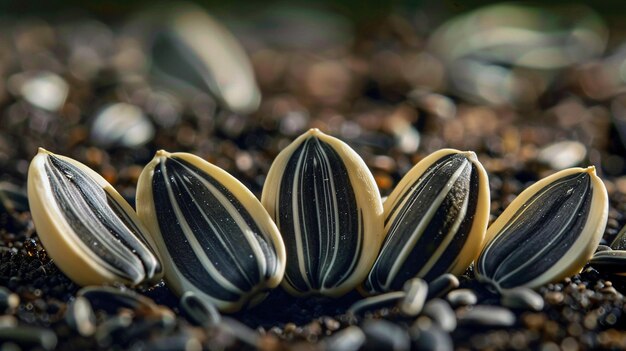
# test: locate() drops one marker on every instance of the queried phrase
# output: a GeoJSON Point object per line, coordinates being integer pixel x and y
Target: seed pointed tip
{"type": "Point", "coordinates": [591, 170]}
{"type": "Point", "coordinates": [41, 150]}
{"type": "Point", "coordinates": [162, 153]}
{"type": "Point", "coordinates": [315, 132]}
{"type": "Point", "coordinates": [471, 155]}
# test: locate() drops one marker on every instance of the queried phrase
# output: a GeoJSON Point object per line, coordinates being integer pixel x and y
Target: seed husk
{"type": "Point", "coordinates": [547, 233]}
{"type": "Point", "coordinates": [215, 237]}
{"type": "Point", "coordinates": [435, 221]}
{"type": "Point", "coordinates": [83, 222]}
{"type": "Point", "coordinates": [328, 209]}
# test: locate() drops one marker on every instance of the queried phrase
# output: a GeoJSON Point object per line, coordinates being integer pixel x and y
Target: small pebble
{"type": "Point", "coordinates": [175, 343]}
{"type": "Point", "coordinates": [45, 90]}
{"type": "Point", "coordinates": [105, 332]}
{"type": "Point", "coordinates": [563, 154]}
{"type": "Point", "coordinates": [416, 290]}
{"type": "Point", "coordinates": [29, 337]}
{"type": "Point", "coordinates": [491, 316]}
{"type": "Point", "coordinates": [8, 321]}
{"type": "Point", "coordinates": [431, 338]}
{"type": "Point", "coordinates": [8, 299]}
{"type": "Point", "coordinates": [523, 298]}
{"type": "Point", "coordinates": [554, 297]}
{"type": "Point", "coordinates": [441, 313]}
{"type": "Point", "coordinates": [121, 124]}
{"type": "Point", "coordinates": [239, 330]}
{"type": "Point", "coordinates": [442, 285]}
{"type": "Point", "coordinates": [462, 297]}
{"type": "Point", "coordinates": [80, 316]}
{"type": "Point", "coordinates": [385, 335]}
{"type": "Point", "coordinates": [351, 338]}
{"type": "Point", "coordinates": [331, 324]}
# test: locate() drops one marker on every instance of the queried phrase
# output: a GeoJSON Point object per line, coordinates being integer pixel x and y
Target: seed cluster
{"type": "Point", "coordinates": [108, 112]}
{"type": "Point", "coordinates": [216, 240]}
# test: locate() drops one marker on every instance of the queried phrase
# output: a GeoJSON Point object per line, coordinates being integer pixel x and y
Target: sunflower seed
{"type": "Point", "coordinates": [12, 198]}
{"type": "Point", "coordinates": [435, 221]}
{"type": "Point", "coordinates": [547, 233]}
{"type": "Point", "coordinates": [83, 222]}
{"type": "Point", "coordinates": [611, 259]}
{"type": "Point", "coordinates": [192, 50]}
{"type": "Point", "coordinates": [416, 291]}
{"type": "Point", "coordinates": [377, 301]}
{"type": "Point", "coordinates": [327, 206]}
{"type": "Point", "coordinates": [619, 243]}
{"type": "Point", "coordinates": [111, 299]}
{"type": "Point", "coordinates": [200, 311]}
{"type": "Point", "coordinates": [215, 237]}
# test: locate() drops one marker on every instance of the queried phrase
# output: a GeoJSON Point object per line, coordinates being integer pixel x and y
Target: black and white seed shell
{"type": "Point", "coordinates": [435, 221]}
{"type": "Point", "coordinates": [91, 232]}
{"type": "Point", "coordinates": [547, 233]}
{"type": "Point", "coordinates": [328, 209]}
{"type": "Point", "coordinates": [215, 237]}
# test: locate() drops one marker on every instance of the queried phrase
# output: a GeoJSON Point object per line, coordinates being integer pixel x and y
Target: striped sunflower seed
{"type": "Point", "coordinates": [215, 237]}
{"type": "Point", "coordinates": [83, 222]}
{"type": "Point", "coordinates": [612, 259]}
{"type": "Point", "coordinates": [328, 209]}
{"type": "Point", "coordinates": [547, 233]}
{"type": "Point", "coordinates": [435, 221]}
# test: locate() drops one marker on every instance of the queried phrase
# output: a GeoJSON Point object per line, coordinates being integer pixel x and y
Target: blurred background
{"type": "Point", "coordinates": [531, 87]}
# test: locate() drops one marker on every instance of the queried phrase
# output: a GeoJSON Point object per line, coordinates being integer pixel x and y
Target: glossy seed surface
{"type": "Point", "coordinates": [83, 222]}
{"type": "Point", "coordinates": [215, 237]}
{"type": "Point", "coordinates": [435, 221]}
{"type": "Point", "coordinates": [328, 209]}
{"type": "Point", "coordinates": [547, 233]}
